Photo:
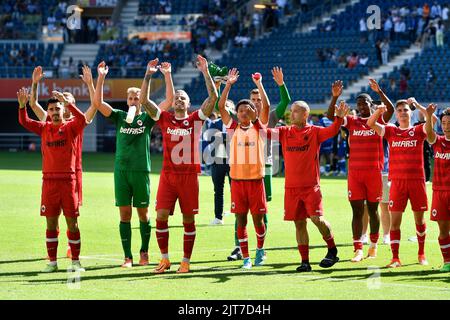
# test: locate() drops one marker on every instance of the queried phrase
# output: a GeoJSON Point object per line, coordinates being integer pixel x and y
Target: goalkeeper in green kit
{"type": "Point", "coordinates": [132, 160]}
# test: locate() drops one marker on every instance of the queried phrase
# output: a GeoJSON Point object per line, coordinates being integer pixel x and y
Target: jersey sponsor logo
{"type": "Point", "coordinates": [57, 143]}
{"type": "Point", "coordinates": [434, 212]}
{"type": "Point", "coordinates": [43, 208]}
{"type": "Point", "coordinates": [363, 133]}
{"type": "Point", "coordinates": [132, 131]}
{"type": "Point", "coordinates": [404, 144]}
{"type": "Point", "coordinates": [179, 131]}
{"type": "Point", "coordinates": [298, 148]}
{"type": "Point", "coordinates": [442, 156]}
{"type": "Point", "coordinates": [139, 122]}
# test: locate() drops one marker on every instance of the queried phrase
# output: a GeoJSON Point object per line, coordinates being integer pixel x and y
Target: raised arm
{"type": "Point", "coordinates": [89, 81]}
{"type": "Point", "coordinates": [104, 108]}
{"type": "Point", "coordinates": [327, 133]}
{"type": "Point", "coordinates": [264, 116]}
{"type": "Point", "coordinates": [431, 135]}
{"type": "Point", "coordinates": [373, 123]}
{"type": "Point", "coordinates": [285, 98]}
{"type": "Point", "coordinates": [389, 106]}
{"type": "Point", "coordinates": [166, 70]}
{"type": "Point", "coordinates": [208, 106]}
{"type": "Point", "coordinates": [34, 104]}
{"type": "Point", "coordinates": [412, 101]}
{"type": "Point", "coordinates": [336, 91]}
{"type": "Point", "coordinates": [149, 106]}
{"type": "Point", "coordinates": [24, 120]}
{"type": "Point", "coordinates": [233, 76]}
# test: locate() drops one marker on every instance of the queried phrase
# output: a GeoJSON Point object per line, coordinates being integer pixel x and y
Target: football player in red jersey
{"type": "Point", "coordinates": [37, 76]}
{"type": "Point", "coordinates": [364, 167]}
{"type": "Point", "coordinates": [440, 205]}
{"type": "Point", "coordinates": [181, 163]}
{"type": "Point", "coordinates": [59, 187]}
{"type": "Point", "coordinates": [406, 173]}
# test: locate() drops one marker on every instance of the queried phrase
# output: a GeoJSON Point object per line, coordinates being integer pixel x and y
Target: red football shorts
{"type": "Point", "coordinates": [57, 195]}
{"type": "Point", "coordinates": [365, 185]}
{"type": "Point", "coordinates": [440, 206]}
{"type": "Point", "coordinates": [183, 187]}
{"type": "Point", "coordinates": [79, 175]}
{"type": "Point", "coordinates": [302, 203]}
{"type": "Point", "coordinates": [248, 195]}
{"type": "Point", "coordinates": [402, 190]}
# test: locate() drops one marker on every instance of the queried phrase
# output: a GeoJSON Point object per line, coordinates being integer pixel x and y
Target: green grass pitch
{"type": "Point", "coordinates": [22, 233]}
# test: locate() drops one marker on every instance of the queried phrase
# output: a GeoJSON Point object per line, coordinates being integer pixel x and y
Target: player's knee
{"type": "Point", "coordinates": [300, 224]}
{"type": "Point", "coordinates": [162, 215]}
{"type": "Point", "coordinates": [188, 218]}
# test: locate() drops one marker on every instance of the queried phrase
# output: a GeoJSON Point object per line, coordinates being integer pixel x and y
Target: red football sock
{"type": "Point", "coordinates": [260, 235]}
{"type": "Point", "coordinates": [357, 244]}
{"type": "Point", "coordinates": [189, 239]}
{"type": "Point", "coordinates": [162, 236]}
{"type": "Point", "coordinates": [74, 243]}
{"type": "Point", "coordinates": [243, 240]}
{"type": "Point", "coordinates": [52, 244]}
{"type": "Point", "coordinates": [395, 243]}
{"type": "Point", "coordinates": [445, 249]}
{"type": "Point", "coordinates": [330, 242]}
{"type": "Point", "coordinates": [421, 232]}
{"type": "Point", "coordinates": [304, 252]}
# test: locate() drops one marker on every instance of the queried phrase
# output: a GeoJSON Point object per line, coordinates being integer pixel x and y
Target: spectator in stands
{"type": "Point", "coordinates": [352, 61]}
{"type": "Point", "coordinates": [431, 79]}
{"type": "Point", "coordinates": [388, 26]}
{"type": "Point", "coordinates": [445, 19]}
{"type": "Point", "coordinates": [363, 59]}
{"type": "Point", "coordinates": [304, 5]}
{"type": "Point", "coordinates": [363, 29]}
{"type": "Point", "coordinates": [411, 25]}
{"type": "Point", "coordinates": [440, 34]}
{"type": "Point", "coordinates": [403, 85]}
{"type": "Point", "coordinates": [436, 10]}
{"type": "Point", "coordinates": [384, 46]}
{"type": "Point", "coordinates": [399, 29]}
{"type": "Point", "coordinates": [392, 84]}
{"type": "Point", "coordinates": [426, 11]}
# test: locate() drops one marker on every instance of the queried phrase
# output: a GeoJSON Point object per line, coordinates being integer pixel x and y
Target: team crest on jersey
{"type": "Point", "coordinates": [60, 132]}
{"type": "Point", "coordinates": [233, 205]}
{"type": "Point", "coordinates": [391, 203]}
{"type": "Point", "coordinates": [186, 122]}
{"type": "Point", "coordinates": [43, 208]}
{"type": "Point", "coordinates": [434, 212]}
{"type": "Point", "coordinates": [139, 122]}
{"type": "Point", "coordinates": [411, 133]}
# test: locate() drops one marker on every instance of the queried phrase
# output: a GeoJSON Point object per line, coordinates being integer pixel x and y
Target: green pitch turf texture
{"type": "Point", "coordinates": [22, 233]}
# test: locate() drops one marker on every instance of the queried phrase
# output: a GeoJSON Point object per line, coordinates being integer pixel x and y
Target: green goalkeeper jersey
{"type": "Point", "coordinates": [132, 141]}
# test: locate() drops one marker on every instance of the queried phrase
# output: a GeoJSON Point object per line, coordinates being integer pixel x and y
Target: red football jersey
{"type": "Point", "coordinates": [181, 142]}
{"type": "Point", "coordinates": [59, 143]}
{"type": "Point", "coordinates": [366, 146]}
{"type": "Point", "coordinates": [301, 152]}
{"type": "Point", "coordinates": [441, 174]}
{"type": "Point", "coordinates": [405, 152]}
{"type": "Point", "coordinates": [79, 144]}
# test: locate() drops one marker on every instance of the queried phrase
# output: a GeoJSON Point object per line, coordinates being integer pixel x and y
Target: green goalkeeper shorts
{"type": "Point", "coordinates": [132, 185]}
{"type": "Point", "coordinates": [268, 182]}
